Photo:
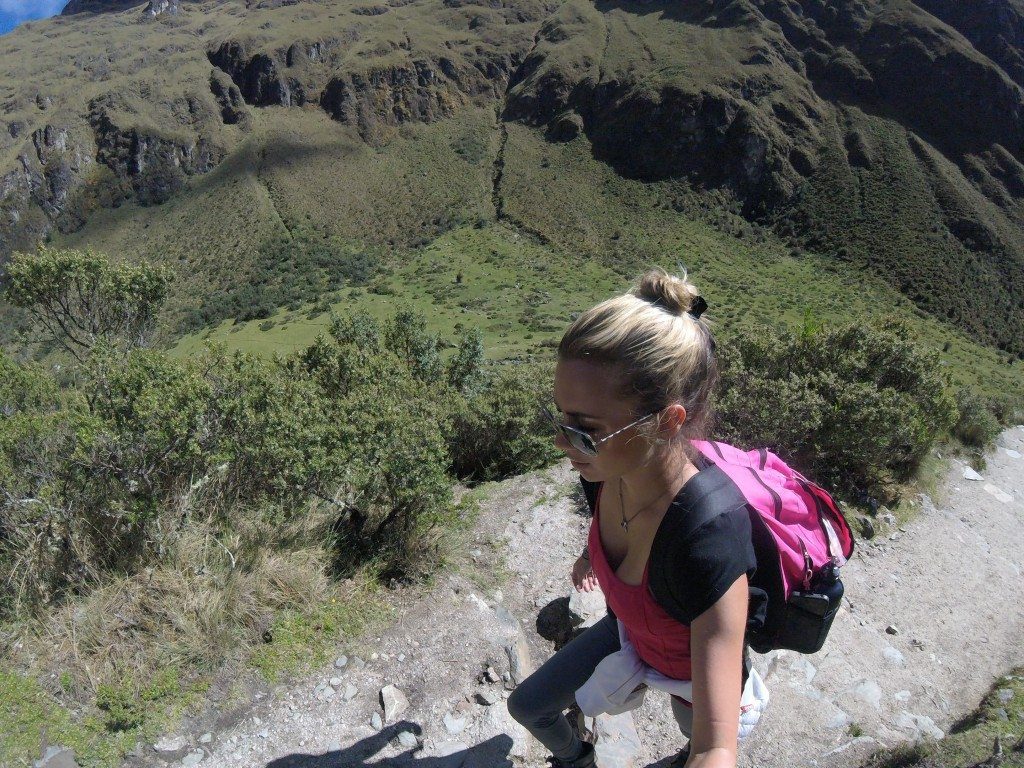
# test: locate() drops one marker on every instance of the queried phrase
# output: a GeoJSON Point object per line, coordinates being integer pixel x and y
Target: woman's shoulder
{"type": "Point", "coordinates": [708, 505]}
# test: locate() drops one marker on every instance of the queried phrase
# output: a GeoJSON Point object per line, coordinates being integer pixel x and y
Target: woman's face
{"type": "Point", "coordinates": [587, 395]}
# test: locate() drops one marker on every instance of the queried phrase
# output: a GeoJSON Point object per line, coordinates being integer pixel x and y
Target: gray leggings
{"type": "Point", "coordinates": [541, 698]}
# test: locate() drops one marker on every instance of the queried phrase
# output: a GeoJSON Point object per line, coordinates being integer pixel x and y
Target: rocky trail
{"type": "Point", "coordinates": [933, 615]}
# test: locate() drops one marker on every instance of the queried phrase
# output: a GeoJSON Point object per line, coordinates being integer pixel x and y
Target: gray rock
{"type": "Point", "coordinates": [618, 743]}
{"type": "Point", "coordinates": [491, 675]}
{"type": "Point", "coordinates": [1005, 694]}
{"type": "Point", "coordinates": [264, 734]}
{"type": "Point", "coordinates": [918, 725]}
{"type": "Point", "coordinates": [456, 751]}
{"type": "Point", "coordinates": [853, 743]}
{"type": "Point", "coordinates": [869, 692]}
{"type": "Point", "coordinates": [56, 757]}
{"type": "Point", "coordinates": [393, 701]}
{"type": "Point", "coordinates": [509, 623]}
{"type": "Point", "coordinates": [206, 738]}
{"type": "Point", "coordinates": [453, 724]}
{"type": "Point", "coordinates": [1000, 494]}
{"type": "Point", "coordinates": [193, 758]}
{"type": "Point", "coordinates": [334, 745]}
{"type": "Point", "coordinates": [803, 667]}
{"type": "Point", "coordinates": [1001, 714]}
{"type": "Point", "coordinates": [892, 630]}
{"type": "Point", "coordinates": [498, 720]}
{"type": "Point", "coordinates": [487, 698]}
{"type": "Point", "coordinates": [970, 474]}
{"type": "Point", "coordinates": [520, 665]}
{"type": "Point", "coordinates": [1012, 453]}
{"type": "Point", "coordinates": [358, 663]}
{"type": "Point", "coordinates": [341, 662]}
{"type": "Point", "coordinates": [350, 692]}
{"type": "Point", "coordinates": [587, 608]}
{"type": "Point", "coordinates": [375, 722]}
{"type": "Point", "coordinates": [336, 682]}
{"type": "Point", "coordinates": [323, 692]}
{"type": "Point", "coordinates": [839, 720]}
{"type": "Point", "coordinates": [894, 656]}
{"type": "Point", "coordinates": [408, 739]}
{"type": "Point", "coordinates": [171, 744]}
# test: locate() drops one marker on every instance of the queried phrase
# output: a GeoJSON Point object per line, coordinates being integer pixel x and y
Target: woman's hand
{"type": "Point", "coordinates": [583, 577]}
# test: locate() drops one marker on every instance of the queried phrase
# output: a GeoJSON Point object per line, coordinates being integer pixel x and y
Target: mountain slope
{"type": "Point", "coordinates": [881, 133]}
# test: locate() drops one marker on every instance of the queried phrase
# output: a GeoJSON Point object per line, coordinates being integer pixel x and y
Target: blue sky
{"type": "Point", "coordinates": [13, 12]}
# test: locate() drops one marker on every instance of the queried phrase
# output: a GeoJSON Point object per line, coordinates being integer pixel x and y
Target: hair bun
{"type": "Point", "coordinates": [673, 294]}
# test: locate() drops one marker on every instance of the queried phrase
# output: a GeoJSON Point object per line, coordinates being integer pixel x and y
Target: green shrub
{"type": "Point", "coordinates": [466, 368]}
{"type": "Point", "coordinates": [856, 407]}
{"type": "Point", "coordinates": [1007, 409]}
{"type": "Point", "coordinates": [82, 299]}
{"type": "Point", "coordinates": [499, 431]}
{"type": "Point", "coordinates": [976, 426]}
{"type": "Point", "coordinates": [122, 709]}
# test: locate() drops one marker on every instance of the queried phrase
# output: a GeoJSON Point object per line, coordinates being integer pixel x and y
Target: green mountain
{"type": "Point", "coordinates": [280, 150]}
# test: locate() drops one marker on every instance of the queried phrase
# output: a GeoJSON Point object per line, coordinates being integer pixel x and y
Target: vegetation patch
{"type": "Point", "coordinates": [992, 735]}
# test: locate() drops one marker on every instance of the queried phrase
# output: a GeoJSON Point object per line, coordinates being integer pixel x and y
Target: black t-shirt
{"type": "Point", "coordinates": [691, 568]}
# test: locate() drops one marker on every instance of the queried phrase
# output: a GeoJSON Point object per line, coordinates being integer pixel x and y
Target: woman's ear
{"type": "Point", "coordinates": [672, 420]}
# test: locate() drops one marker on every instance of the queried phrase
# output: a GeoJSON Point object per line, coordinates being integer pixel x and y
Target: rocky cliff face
{"type": "Point", "coordinates": [66, 169]}
{"type": "Point", "coordinates": [374, 78]}
{"type": "Point", "coordinates": [373, 97]}
{"type": "Point", "coordinates": [152, 8]}
{"type": "Point", "coordinates": [155, 164]}
{"type": "Point", "coordinates": [100, 6]}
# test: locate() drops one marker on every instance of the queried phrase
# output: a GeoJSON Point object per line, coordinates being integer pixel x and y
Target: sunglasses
{"type": "Point", "coordinates": [580, 440]}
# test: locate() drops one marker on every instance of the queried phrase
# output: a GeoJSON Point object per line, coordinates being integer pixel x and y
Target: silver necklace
{"type": "Point", "coordinates": [622, 510]}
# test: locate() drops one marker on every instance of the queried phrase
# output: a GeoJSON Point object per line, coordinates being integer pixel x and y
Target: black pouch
{"type": "Point", "coordinates": [809, 616]}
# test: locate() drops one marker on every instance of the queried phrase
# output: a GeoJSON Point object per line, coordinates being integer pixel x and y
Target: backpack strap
{"type": "Point", "coordinates": [590, 493]}
{"type": "Point", "coordinates": [706, 495]}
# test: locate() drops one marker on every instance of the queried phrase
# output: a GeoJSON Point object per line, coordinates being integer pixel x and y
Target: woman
{"type": "Point", "coordinates": [632, 383]}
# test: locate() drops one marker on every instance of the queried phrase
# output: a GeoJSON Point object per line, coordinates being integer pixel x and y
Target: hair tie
{"type": "Point", "coordinates": [697, 308]}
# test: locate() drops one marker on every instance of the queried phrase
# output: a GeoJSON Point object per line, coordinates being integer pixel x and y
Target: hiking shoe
{"type": "Point", "coordinates": [585, 760]}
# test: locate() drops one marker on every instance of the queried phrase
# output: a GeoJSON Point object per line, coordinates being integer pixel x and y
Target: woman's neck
{"type": "Point", "coordinates": [657, 479]}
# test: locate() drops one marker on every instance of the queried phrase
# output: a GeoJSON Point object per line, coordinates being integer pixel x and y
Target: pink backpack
{"type": "Point", "coordinates": [801, 540]}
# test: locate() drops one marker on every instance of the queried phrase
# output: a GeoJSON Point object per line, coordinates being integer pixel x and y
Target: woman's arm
{"type": "Point", "coordinates": [716, 648]}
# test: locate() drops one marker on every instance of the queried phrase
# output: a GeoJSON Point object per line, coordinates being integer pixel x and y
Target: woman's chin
{"type": "Point", "coordinates": [584, 468]}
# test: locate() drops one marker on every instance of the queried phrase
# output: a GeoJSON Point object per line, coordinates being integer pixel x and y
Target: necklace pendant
{"type": "Point", "coordinates": [625, 526]}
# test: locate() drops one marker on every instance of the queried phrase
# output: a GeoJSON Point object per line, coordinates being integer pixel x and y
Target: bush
{"type": "Point", "coordinates": [1007, 409]}
{"type": "Point", "coordinates": [976, 426]}
{"type": "Point", "coordinates": [856, 407]}
{"type": "Point", "coordinates": [499, 431]}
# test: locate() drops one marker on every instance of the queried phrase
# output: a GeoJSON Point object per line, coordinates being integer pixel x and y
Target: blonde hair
{"type": "Point", "coordinates": [664, 354]}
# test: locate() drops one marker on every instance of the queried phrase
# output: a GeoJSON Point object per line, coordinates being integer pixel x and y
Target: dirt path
{"type": "Point", "coordinates": [950, 585]}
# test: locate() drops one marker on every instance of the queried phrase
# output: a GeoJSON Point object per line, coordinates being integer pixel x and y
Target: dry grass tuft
{"type": "Point", "coordinates": [204, 604]}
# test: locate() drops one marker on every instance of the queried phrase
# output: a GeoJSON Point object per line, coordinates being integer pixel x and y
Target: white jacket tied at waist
{"type": "Point", "coordinates": [621, 680]}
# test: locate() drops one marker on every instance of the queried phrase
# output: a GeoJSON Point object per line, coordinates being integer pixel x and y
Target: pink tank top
{"type": "Point", "coordinates": [662, 642]}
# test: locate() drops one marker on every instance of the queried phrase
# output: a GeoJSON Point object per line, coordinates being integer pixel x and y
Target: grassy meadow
{"type": "Point", "coordinates": [574, 232]}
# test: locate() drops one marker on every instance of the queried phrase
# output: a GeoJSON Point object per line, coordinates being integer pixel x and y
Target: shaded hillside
{"type": "Point", "coordinates": [871, 131]}
{"type": "Point", "coordinates": [887, 134]}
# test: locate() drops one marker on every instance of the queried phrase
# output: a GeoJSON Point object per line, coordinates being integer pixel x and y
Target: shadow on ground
{"type": "Point", "coordinates": [493, 753]}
